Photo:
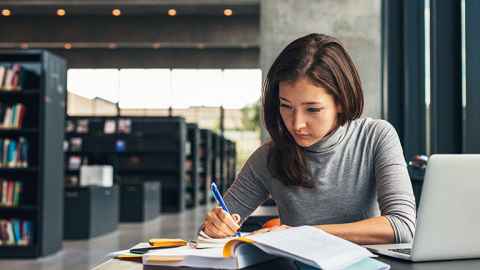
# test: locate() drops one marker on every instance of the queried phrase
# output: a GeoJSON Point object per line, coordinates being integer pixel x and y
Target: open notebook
{"type": "Point", "coordinates": [308, 245]}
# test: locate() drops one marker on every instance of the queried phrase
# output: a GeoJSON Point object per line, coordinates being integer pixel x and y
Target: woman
{"type": "Point", "coordinates": [325, 166]}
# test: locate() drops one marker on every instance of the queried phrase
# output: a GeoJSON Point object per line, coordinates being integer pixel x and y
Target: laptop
{"type": "Point", "coordinates": [448, 217]}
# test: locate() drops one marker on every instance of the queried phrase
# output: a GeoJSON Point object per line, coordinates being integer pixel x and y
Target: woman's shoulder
{"type": "Point", "coordinates": [373, 127]}
{"type": "Point", "coordinates": [260, 155]}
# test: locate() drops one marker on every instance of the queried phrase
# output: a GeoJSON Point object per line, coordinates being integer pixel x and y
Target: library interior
{"type": "Point", "coordinates": [123, 123]}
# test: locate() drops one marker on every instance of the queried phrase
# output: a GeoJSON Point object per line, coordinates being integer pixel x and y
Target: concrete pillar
{"type": "Point", "coordinates": [354, 22]}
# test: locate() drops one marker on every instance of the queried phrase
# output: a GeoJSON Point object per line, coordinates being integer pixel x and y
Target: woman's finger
{"type": "Point", "coordinates": [228, 220]}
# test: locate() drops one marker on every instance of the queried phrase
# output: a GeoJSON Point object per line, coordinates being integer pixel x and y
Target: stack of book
{"type": "Point", "coordinates": [10, 193]}
{"type": "Point", "coordinates": [12, 116]}
{"type": "Point", "coordinates": [13, 153]}
{"type": "Point", "coordinates": [15, 232]}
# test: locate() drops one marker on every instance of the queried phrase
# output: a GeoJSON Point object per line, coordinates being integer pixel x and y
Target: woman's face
{"type": "Point", "coordinates": [307, 110]}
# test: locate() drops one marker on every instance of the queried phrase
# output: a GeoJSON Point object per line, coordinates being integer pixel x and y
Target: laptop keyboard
{"type": "Point", "coordinates": [402, 250]}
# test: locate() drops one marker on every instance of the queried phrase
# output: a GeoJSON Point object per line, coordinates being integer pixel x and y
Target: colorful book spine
{"type": "Point", "coordinates": [14, 153]}
{"type": "Point", "coordinates": [12, 116]}
{"type": "Point", "coordinates": [10, 193]}
{"type": "Point", "coordinates": [15, 232]}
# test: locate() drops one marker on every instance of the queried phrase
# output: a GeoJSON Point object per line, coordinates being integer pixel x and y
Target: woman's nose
{"type": "Point", "coordinates": [298, 121]}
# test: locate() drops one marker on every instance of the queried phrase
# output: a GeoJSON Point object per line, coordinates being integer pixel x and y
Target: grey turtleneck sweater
{"type": "Point", "coordinates": [359, 172]}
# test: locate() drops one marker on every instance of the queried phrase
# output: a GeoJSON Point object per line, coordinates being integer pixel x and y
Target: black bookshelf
{"type": "Point", "coordinates": [42, 77]}
{"type": "Point", "coordinates": [205, 157]}
{"type": "Point", "coordinates": [216, 162]}
{"type": "Point", "coordinates": [150, 149]}
{"type": "Point", "coordinates": [192, 183]}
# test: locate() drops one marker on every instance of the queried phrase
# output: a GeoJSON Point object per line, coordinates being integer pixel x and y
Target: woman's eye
{"type": "Point", "coordinates": [284, 106]}
{"type": "Point", "coordinates": [314, 109]}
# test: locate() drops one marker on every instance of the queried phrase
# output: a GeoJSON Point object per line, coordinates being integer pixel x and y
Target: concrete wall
{"type": "Point", "coordinates": [355, 22]}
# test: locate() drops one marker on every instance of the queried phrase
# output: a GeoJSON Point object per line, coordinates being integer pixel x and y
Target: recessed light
{"type": "Point", "coordinates": [228, 12]}
{"type": "Point", "coordinates": [6, 12]}
{"type": "Point", "coordinates": [116, 12]}
{"type": "Point", "coordinates": [67, 46]}
{"type": "Point", "coordinates": [172, 12]}
{"type": "Point", "coordinates": [61, 12]}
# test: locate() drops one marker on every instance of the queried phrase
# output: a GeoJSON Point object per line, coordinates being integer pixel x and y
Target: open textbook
{"type": "Point", "coordinates": [308, 245]}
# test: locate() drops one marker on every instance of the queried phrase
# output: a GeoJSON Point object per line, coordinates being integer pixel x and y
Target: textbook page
{"type": "Point", "coordinates": [311, 246]}
{"type": "Point", "coordinates": [205, 258]}
{"type": "Point", "coordinates": [205, 241]}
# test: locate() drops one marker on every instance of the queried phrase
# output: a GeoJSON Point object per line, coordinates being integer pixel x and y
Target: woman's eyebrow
{"type": "Point", "coordinates": [312, 103]}
{"type": "Point", "coordinates": [284, 99]}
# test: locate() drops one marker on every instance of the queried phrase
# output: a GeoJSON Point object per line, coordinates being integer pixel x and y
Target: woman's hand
{"type": "Point", "coordinates": [220, 224]}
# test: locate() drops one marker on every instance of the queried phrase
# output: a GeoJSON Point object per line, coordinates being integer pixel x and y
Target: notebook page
{"type": "Point", "coordinates": [311, 245]}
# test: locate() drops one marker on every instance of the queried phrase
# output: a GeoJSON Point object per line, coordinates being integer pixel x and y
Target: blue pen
{"type": "Point", "coordinates": [218, 197]}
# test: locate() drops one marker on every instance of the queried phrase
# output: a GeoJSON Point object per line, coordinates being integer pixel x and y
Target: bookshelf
{"type": "Point", "coordinates": [32, 98]}
{"type": "Point", "coordinates": [192, 183]}
{"type": "Point", "coordinates": [146, 149]}
{"type": "Point", "coordinates": [205, 158]}
{"type": "Point", "coordinates": [216, 162]}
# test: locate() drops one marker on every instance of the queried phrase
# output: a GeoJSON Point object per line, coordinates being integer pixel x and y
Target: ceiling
{"type": "Point", "coordinates": [130, 7]}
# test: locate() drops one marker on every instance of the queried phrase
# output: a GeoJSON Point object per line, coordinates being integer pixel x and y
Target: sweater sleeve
{"type": "Point", "coordinates": [248, 191]}
{"type": "Point", "coordinates": [393, 185]}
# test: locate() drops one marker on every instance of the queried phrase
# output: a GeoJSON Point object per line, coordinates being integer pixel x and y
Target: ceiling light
{"type": "Point", "coordinates": [67, 46]}
{"type": "Point", "coordinates": [228, 12]}
{"type": "Point", "coordinates": [172, 12]}
{"type": "Point", "coordinates": [6, 12]}
{"type": "Point", "coordinates": [61, 12]}
{"type": "Point", "coordinates": [116, 12]}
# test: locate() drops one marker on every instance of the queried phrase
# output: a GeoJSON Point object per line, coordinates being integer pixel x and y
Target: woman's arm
{"type": "Point", "coordinates": [376, 230]}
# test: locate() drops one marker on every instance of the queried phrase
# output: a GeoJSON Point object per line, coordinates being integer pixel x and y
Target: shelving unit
{"type": "Point", "coordinates": [192, 183]}
{"type": "Point", "coordinates": [216, 163]}
{"type": "Point", "coordinates": [205, 158]}
{"type": "Point", "coordinates": [153, 149]}
{"type": "Point", "coordinates": [43, 85]}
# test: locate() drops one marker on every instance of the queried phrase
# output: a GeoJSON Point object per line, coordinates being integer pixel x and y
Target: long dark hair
{"type": "Point", "coordinates": [326, 63]}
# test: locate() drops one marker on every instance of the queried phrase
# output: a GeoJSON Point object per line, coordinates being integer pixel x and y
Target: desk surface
{"type": "Point", "coordinates": [283, 264]}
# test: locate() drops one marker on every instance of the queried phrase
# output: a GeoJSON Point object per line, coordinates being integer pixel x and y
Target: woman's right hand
{"type": "Point", "coordinates": [220, 224]}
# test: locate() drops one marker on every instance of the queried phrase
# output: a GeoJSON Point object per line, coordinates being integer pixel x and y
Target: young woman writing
{"type": "Point", "coordinates": [325, 166]}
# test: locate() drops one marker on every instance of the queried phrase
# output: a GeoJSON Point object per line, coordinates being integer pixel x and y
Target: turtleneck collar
{"type": "Point", "coordinates": [329, 142]}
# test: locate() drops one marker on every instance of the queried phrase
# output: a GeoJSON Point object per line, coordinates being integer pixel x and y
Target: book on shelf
{"type": "Point", "coordinates": [12, 116]}
{"type": "Point", "coordinates": [109, 126]}
{"type": "Point", "coordinates": [10, 192]}
{"type": "Point", "coordinates": [120, 146]}
{"type": "Point", "coordinates": [74, 162]}
{"type": "Point", "coordinates": [15, 232]}
{"type": "Point", "coordinates": [16, 77]}
{"type": "Point", "coordinates": [124, 126]}
{"type": "Point", "coordinates": [13, 153]}
{"type": "Point", "coordinates": [69, 126]}
{"type": "Point", "coordinates": [75, 144]}
{"type": "Point", "coordinates": [71, 180]}
{"type": "Point", "coordinates": [82, 126]}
